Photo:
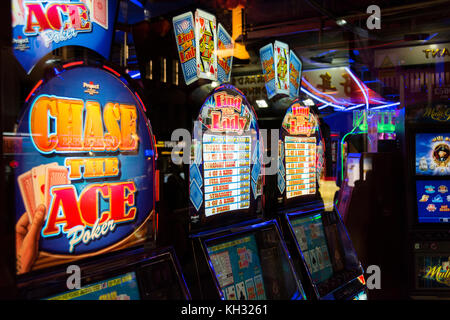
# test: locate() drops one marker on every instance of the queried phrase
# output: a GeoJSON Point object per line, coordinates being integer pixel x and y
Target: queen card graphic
{"type": "Point", "coordinates": [206, 45]}
{"type": "Point", "coordinates": [281, 53]}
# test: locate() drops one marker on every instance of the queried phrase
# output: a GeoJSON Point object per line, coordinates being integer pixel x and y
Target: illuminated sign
{"type": "Point", "coordinates": [386, 120]}
{"type": "Point", "coordinates": [281, 68]}
{"type": "Point", "coordinates": [300, 157]}
{"type": "Point", "coordinates": [39, 27]}
{"type": "Point", "coordinates": [433, 271]}
{"type": "Point", "coordinates": [300, 152]}
{"type": "Point", "coordinates": [226, 156]}
{"type": "Point", "coordinates": [433, 154]}
{"type": "Point", "coordinates": [298, 120]}
{"type": "Point", "coordinates": [204, 47]}
{"type": "Point", "coordinates": [89, 161]}
{"type": "Point", "coordinates": [226, 161]}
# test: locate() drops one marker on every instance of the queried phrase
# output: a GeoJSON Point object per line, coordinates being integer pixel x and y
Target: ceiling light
{"type": "Point", "coordinates": [262, 104]}
{"type": "Point", "coordinates": [341, 22]}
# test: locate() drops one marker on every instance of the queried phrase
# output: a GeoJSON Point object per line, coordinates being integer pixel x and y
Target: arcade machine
{"type": "Point", "coordinates": [239, 256]}
{"type": "Point", "coordinates": [428, 200]}
{"type": "Point", "coordinates": [370, 189]}
{"type": "Point", "coordinates": [316, 237]}
{"type": "Point", "coordinates": [82, 181]}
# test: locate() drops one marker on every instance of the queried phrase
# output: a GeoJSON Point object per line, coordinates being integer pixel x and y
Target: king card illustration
{"type": "Point", "coordinates": [281, 59]}
{"type": "Point", "coordinates": [206, 45]}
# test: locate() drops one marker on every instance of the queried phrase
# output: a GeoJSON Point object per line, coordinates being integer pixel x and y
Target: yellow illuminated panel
{"type": "Point", "coordinates": [226, 162]}
{"type": "Point", "coordinates": [300, 155]}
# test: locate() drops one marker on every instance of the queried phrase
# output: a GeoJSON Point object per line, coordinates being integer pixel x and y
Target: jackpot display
{"type": "Point", "coordinates": [433, 154]}
{"type": "Point", "coordinates": [233, 152]}
{"type": "Point", "coordinates": [226, 158]}
{"type": "Point", "coordinates": [300, 153]}
{"type": "Point", "coordinates": [82, 132]}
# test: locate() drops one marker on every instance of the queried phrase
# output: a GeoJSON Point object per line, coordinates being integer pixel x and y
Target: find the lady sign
{"type": "Point", "coordinates": [85, 178]}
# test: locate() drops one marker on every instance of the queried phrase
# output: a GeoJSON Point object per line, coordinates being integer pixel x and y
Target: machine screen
{"type": "Point", "coordinates": [353, 168]}
{"type": "Point", "coordinates": [433, 272]}
{"type": "Point", "coordinates": [433, 201]}
{"type": "Point", "coordinates": [226, 161]}
{"type": "Point", "coordinates": [433, 154]}
{"type": "Point", "coordinates": [310, 236]}
{"type": "Point", "coordinates": [123, 287]}
{"type": "Point", "coordinates": [300, 154]}
{"type": "Point", "coordinates": [238, 269]}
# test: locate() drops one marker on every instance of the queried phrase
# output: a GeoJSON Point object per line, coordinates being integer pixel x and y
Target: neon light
{"type": "Point", "coordinates": [319, 99]}
{"type": "Point", "coordinates": [33, 90]}
{"type": "Point", "coordinates": [136, 2]}
{"type": "Point", "coordinates": [355, 107]}
{"type": "Point", "coordinates": [342, 148]}
{"type": "Point", "coordinates": [359, 85]}
{"type": "Point", "coordinates": [111, 70]}
{"type": "Point", "coordinates": [312, 87]}
{"type": "Point", "coordinates": [139, 98]}
{"type": "Point", "coordinates": [386, 106]}
{"type": "Point", "coordinates": [136, 75]}
{"type": "Point", "coordinates": [71, 64]}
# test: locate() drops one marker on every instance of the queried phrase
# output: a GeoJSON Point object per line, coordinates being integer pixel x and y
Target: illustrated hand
{"type": "Point", "coordinates": [27, 239]}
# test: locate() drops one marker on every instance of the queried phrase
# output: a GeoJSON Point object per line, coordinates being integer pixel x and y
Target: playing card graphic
{"type": "Point", "coordinates": [268, 69]}
{"type": "Point", "coordinates": [38, 174]}
{"type": "Point", "coordinates": [183, 26]}
{"type": "Point", "coordinates": [281, 59]}
{"type": "Point", "coordinates": [224, 54]}
{"type": "Point", "coordinates": [295, 74]}
{"type": "Point", "coordinates": [314, 260]}
{"type": "Point", "coordinates": [206, 45]}
{"type": "Point", "coordinates": [251, 291]}
{"type": "Point", "coordinates": [240, 291]}
{"type": "Point", "coordinates": [230, 293]}
{"type": "Point", "coordinates": [35, 185]}
{"type": "Point", "coordinates": [100, 12]}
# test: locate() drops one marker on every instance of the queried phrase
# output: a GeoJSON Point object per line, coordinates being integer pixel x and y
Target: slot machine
{"type": "Point", "coordinates": [428, 200]}
{"type": "Point", "coordinates": [82, 178]}
{"type": "Point", "coordinates": [316, 235]}
{"type": "Point", "coordinates": [238, 254]}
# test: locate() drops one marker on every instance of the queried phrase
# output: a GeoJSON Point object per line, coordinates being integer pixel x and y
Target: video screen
{"type": "Point", "coordinates": [300, 155]}
{"type": "Point", "coordinates": [433, 272]}
{"type": "Point", "coordinates": [238, 269]}
{"type": "Point", "coordinates": [310, 236]}
{"type": "Point", "coordinates": [353, 168]}
{"type": "Point", "coordinates": [226, 164]}
{"type": "Point", "coordinates": [433, 201]}
{"type": "Point", "coordinates": [123, 287]}
{"type": "Point", "coordinates": [433, 154]}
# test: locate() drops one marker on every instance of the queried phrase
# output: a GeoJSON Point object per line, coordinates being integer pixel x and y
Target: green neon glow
{"type": "Point", "coordinates": [356, 126]}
